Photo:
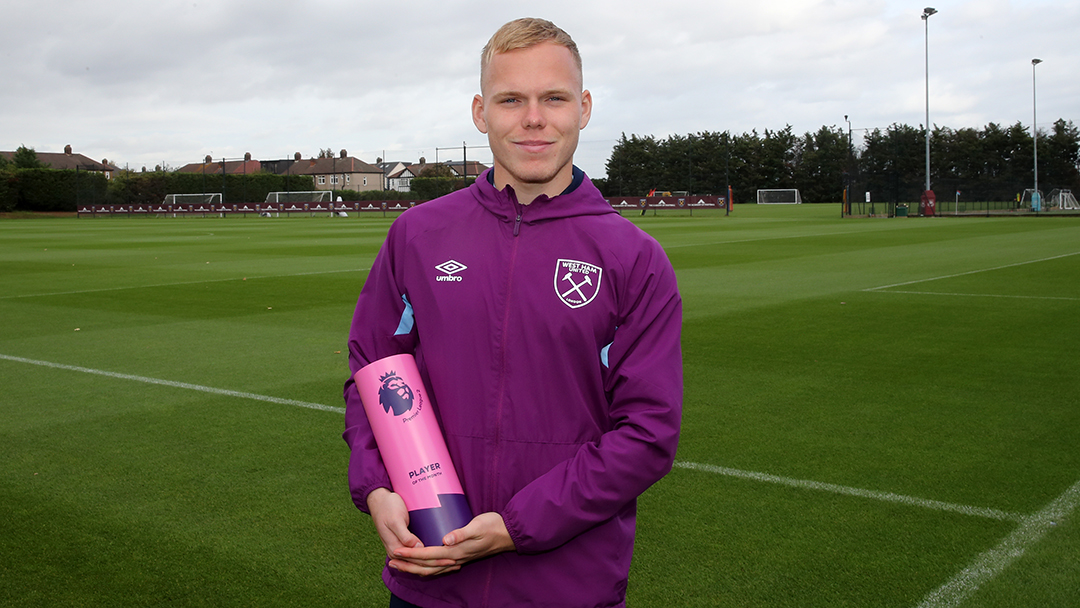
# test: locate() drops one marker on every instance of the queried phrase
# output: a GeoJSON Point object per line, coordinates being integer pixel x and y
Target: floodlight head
{"type": "Point", "coordinates": [1036, 61]}
{"type": "Point", "coordinates": [926, 12]}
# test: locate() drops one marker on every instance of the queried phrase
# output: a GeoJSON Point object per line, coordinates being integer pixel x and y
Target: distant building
{"type": "Point", "coordinates": [70, 161]}
{"type": "Point", "coordinates": [229, 167]}
{"type": "Point", "coordinates": [343, 172]}
{"type": "Point", "coordinates": [390, 168]}
{"type": "Point", "coordinates": [401, 179]}
{"type": "Point", "coordinates": [472, 168]}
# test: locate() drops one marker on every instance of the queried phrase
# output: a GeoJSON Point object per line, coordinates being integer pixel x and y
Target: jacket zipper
{"type": "Point", "coordinates": [501, 395]}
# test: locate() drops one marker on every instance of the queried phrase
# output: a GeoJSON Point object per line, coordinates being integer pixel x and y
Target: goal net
{"type": "Point", "coordinates": [1063, 199]}
{"type": "Point", "coordinates": [304, 196]}
{"type": "Point", "coordinates": [209, 198]}
{"type": "Point", "coordinates": [779, 196]}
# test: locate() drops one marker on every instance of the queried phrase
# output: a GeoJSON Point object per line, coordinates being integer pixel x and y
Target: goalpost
{"type": "Point", "coordinates": [209, 198]}
{"type": "Point", "coordinates": [779, 196]}
{"type": "Point", "coordinates": [303, 196]}
{"type": "Point", "coordinates": [1031, 199]}
{"type": "Point", "coordinates": [1063, 199]}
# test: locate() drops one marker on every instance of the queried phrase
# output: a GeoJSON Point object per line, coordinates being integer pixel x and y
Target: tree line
{"type": "Point", "coordinates": [994, 163]}
{"type": "Point", "coordinates": [28, 184]}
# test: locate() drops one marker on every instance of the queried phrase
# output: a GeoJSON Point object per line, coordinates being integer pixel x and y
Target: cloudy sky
{"type": "Point", "coordinates": [143, 83]}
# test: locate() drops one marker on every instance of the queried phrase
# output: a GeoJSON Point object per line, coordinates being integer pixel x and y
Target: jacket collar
{"type": "Point", "coordinates": [580, 198]}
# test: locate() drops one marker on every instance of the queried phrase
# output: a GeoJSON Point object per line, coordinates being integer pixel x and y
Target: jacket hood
{"type": "Point", "coordinates": [585, 199]}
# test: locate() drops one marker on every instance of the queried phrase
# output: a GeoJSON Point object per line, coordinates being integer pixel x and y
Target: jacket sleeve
{"type": "Point", "coordinates": [643, 382]}
{"type": "Point", "coordinates": [381, 327]}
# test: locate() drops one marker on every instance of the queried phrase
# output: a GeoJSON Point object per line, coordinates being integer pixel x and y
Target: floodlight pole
{"type": "Point", "coordinates": [1035, 129]}
{"type": "Point", "coordinates": [847, 173]}
{"type": "Point", "coordinates": [926, 23]}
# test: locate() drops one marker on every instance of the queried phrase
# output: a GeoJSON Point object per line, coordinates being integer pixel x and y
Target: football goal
{"type": "Point", "coordinates": [209, 198]}
{"type": "Point", "coordinates": [1064, 200]}
{"type": "Point", "coordinates": [779, 196]}
{"type": "Point", "coordinates": [303, 196]}
{"type": "Point", "coordinates": [1031, 199]}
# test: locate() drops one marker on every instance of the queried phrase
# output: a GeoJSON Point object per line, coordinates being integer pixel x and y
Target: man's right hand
{"type": "Point", "coordinates": [391, 519]}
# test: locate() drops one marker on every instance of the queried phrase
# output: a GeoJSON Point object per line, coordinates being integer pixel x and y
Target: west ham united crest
{"type": "Point", "coordinates": [577, 283]}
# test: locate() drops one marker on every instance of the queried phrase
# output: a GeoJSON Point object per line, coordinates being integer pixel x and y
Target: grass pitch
{"type": "Point", "coordinates": [878, 413]}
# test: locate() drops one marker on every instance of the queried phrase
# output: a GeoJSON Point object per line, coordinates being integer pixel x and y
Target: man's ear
{"type": "Point", "coordinates": [478, 114]}
{"type": "Point", "coordinates": [586, 108]}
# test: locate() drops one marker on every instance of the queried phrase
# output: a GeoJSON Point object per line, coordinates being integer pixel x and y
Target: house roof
{"type": "Point", "coordinates": [64, 160]}
{"type": "Point", "coordinates": [411, 170]}
{"type": "Point", "coordinates": [473, 167]}
{"type": "Point", "coordinates": [233, 167]}
{"type": "Point", "coordinates": [327, 166]}
{"type": "Point", "coordinates": [390, 167]}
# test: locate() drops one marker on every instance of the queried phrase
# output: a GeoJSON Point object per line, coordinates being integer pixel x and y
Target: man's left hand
{"type": "Point", "coordinates": [485, 535]}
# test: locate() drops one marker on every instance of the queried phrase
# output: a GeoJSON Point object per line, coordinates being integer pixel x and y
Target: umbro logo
{"type": "Point", "coordinates": [450, 270]}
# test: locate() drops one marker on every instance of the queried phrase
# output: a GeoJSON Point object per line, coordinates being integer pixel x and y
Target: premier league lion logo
{"type": "Point", "coordinates": [394, 394]}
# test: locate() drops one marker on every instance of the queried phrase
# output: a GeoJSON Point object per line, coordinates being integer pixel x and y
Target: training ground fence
{"type": "Point", "coordinates": [960, 208]}
{"type": "Point", "coordinates": [889, 195]}
{"type": "Point", "coordinates": [214, 208]}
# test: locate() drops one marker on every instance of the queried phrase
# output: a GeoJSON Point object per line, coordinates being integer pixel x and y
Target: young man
{"type": "Point", "coordinates": [547, 329]}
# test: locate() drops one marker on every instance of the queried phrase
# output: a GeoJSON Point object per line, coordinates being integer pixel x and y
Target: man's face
{"type": "Point", "coordinates": [532, 110]}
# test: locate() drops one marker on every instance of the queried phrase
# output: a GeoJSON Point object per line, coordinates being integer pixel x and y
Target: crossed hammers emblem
{"type": "Point", "coordinates": [576, 286]}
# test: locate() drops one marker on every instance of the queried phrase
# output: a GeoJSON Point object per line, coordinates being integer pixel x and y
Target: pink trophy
{"type": "Point", "coordinates": [412, 447]}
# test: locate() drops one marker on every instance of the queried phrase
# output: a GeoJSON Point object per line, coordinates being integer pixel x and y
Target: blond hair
{"type": "Point", "coordinates": [525, 33]}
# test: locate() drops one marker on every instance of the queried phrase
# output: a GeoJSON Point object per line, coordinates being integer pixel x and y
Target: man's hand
{"type": "Point", "coordinates": [391, 520]}
{"type": "Point", "coordinates": [483, 536]}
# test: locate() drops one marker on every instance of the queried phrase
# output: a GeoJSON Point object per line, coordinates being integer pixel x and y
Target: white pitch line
{"type": "Point", "coordinates": [762, 477]}
{"type": "Point", "coordinates": [173, 384]}
{"type": "Point", "coordinates": [994, 561]}
{"type": "Point", "coordinates": [951, 276]}
{"type": "Point", "coordinates": [857, 492]}
{"type": "Point", "coordinates": [269, 276]}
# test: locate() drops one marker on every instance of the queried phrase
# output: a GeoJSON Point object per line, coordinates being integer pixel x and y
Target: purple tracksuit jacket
{"type": "Point", "coordinates": [548, 336]}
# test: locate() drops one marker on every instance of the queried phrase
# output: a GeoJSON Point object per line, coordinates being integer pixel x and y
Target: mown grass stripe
{"type": "Point", "coordinates": [761, 477]}
{"type": "Point", "coordinates": [181, 283]}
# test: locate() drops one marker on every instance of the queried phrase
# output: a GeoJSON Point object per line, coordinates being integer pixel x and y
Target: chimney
{"type": "Point", "coordinates": [67, 149]}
